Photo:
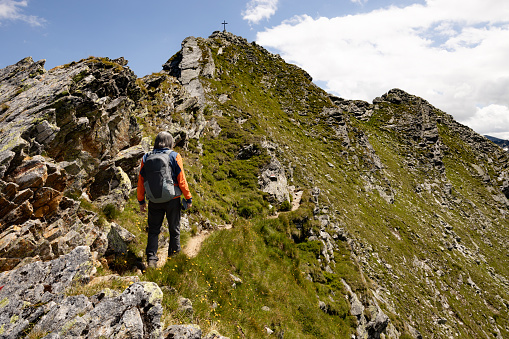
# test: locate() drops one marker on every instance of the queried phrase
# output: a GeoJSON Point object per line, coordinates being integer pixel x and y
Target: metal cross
{"type": "Point", "coordinates": [224, 23]}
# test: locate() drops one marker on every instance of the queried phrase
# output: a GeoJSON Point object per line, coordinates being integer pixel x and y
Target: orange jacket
{"type": "Point", "coordinates": [179, 178]}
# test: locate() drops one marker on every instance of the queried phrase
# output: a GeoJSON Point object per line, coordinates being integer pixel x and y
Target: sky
{"type": "Point", "coordinates": [452, 53]}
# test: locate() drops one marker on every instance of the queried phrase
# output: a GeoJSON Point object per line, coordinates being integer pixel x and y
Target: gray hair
{"type": "Point", "coordinates": [163, 140]}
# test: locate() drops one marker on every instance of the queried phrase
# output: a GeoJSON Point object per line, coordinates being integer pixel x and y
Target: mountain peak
{"type": "Point", "coordinates": [400, 231]}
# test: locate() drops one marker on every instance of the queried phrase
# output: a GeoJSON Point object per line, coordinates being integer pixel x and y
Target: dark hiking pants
{"type": "Point", "coordinates": [156, 213]}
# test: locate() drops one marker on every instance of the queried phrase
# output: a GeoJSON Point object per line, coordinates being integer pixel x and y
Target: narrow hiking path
{"type": "Point", "coordinates": [296, 198]}
{"type": "Point", "coordinates": [193, 246]}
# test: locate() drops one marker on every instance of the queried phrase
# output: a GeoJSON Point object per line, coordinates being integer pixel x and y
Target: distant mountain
{"type": "Point", "coordinates": [501, 142]}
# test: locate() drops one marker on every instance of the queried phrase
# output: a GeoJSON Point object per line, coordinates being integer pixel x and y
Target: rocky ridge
{"type": "Point", "coordinates": [70, 136]}
{"type": "Point", "coordinates": [418, 200]}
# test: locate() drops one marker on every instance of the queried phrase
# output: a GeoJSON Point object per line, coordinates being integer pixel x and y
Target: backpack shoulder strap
{"type": "Point", "coordinates": [146, 155]}
{"type": "Point", "coordinates": [171, 154]}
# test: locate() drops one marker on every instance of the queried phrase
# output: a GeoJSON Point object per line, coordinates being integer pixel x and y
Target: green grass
{"type": "Point", "coordinates": [272, 267]}
{"type": "Point", "coordinates": [276, 103]}
{"type": "Point", "coordinates": [267, 261]}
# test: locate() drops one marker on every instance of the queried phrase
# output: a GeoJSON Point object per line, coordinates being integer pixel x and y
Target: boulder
{"type": "Point", "coordinates": [193, 60]}
{"type": "Point", "coordinates": [34, 301]}
{"type": "Point", "coordinates": [129, 160]}
{"type": "Point", "coordinates": [183, 332]}
{"type": "Point", "coordinates": [45, 132]}
{"type": "Point", "coordinates": [118, 239]}
{"type": "Point", "coordinates": [111, 186]}
{"type": "Point", "coordinates": [273, 181]}
{"type": "Point", "coordinates": [31, 173]}
{"type": "Point", "coordinates": [136, 313]}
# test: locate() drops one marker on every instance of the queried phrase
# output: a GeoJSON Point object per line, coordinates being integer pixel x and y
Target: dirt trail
{"type": "Point", "coordinates": [194, 244]}
{"type": "Point", "coordinates": [297, 197]}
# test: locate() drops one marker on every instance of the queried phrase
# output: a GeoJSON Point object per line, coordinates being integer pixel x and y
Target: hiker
{"type": "Point", "coordinates": [162, 181]}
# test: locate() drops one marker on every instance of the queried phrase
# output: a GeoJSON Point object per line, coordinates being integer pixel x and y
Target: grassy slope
{"type": "Point", "coordinates": [416, 217]}
{"type": "Point", "coordinates": [277, 103]}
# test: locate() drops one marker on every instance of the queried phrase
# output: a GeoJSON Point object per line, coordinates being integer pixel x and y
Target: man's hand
{"type": "Point", "coordinates": [143, 208]}
{"type": "Point", "coordinates": [189, 205]}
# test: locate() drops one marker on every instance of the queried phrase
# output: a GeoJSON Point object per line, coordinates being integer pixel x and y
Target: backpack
{"type": "Point", "coordinates": [158, 177]}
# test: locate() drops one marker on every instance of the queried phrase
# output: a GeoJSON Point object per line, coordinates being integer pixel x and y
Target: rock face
{"type": "Point", "coordinates": [65, 132]}
{"type": "Point", "coordinates": [34, 301]}
{"type": "Point", "coordinates": [78, 111]}
{"type": "Point", "coordinates": [415, 202]}
{"type": "Point", "coordinates": [273, 181]}
{"type": "Point", "coordinates": [191, 63]}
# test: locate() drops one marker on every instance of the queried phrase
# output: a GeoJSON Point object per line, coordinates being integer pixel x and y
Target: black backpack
{"type": "Point", "coordinates": [158, 179]}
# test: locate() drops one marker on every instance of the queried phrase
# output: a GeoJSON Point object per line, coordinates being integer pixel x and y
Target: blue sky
{"type": "Point", "coordinates": [147, 33]}
{"type": "Point", "coordinates": [453, 53]}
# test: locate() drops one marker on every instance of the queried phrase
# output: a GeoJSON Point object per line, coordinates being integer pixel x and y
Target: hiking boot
{"type": "Point", "coordinates": [152, 263]}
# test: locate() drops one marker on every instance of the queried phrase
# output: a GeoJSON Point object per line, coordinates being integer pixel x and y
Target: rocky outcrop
{"type": "Point", "coordinates": [409, 204]}
{"type": "Point", "coordinates": [361, 110]}
{"type": "Point", "coordinates": [372, 321]}
{"type": "Point", "coordinates": [338, 122]}
{"type": "Point", "coordinates": [272, 179]}
{"type": "Point", "coordinates": [65, 133]}
{"type": "Point", "coordinates": [81, 110]}
{"type": "Point", "coordinates": [35, 300]}
{"type": "Point", "coordinates": [192, 62]}
{"type": "Point", "coordinates": [168, 104]}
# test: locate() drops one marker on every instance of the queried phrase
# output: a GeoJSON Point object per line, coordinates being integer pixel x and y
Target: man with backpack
{"type": "Point", "coordinates": [162, 181]}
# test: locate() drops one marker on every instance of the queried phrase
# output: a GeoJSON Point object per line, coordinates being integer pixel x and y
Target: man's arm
{"type": "Point", "coordinates": [182, 182]}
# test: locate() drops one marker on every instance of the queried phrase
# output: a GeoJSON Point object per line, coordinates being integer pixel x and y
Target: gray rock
{"type": "Point", "coordinates": [322, 306]}
{"type": "Point", "coordinates": [338, 121]}
{"type": "Point", "coordinates": [185, 306]}
{"type": "Point", "coordinates": [129, 161]}
{"type": "Point", "coordinates": [46, 132]}
{"type": "Point", "coordinates": [126, 236]}
{"type": "Point", "coordinates": [136, 313]}
{"type": "Point", "coordinates": [377, 325]}
{"type": "Point", "coordinates": [235, 279]}
{"type": "Point", "coordinates": [194, 60]}
{"type": "Point", "coordinates": [38, 283]}
{"type": "Point", "coordinates": [356, 307]}
{"type": "Point", "coordinates": [116, 244]}
{"type": "Point", "coordinates": [62, 314]}
{"type": "Point", "coordinates": [112, 186]}
{"type": "Point", "coordinates": [183, 332]}
{"type": "Point", "coordinates": [31, 173]}
{"type": "Point", "coordinates": [273, 181]}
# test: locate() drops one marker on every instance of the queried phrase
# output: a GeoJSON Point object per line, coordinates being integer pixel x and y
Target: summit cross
{"type": "Point", "coordinates": [224, 23]}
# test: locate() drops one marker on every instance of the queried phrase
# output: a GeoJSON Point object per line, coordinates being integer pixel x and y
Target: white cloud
{"type": "Point", "coordinates": [257, 10]}
{"type": "Point", "coordinates": [450, 52]}
{"type": "Point", "coordinates": [491, 120]}
{"type": "Point", "coordinates": [12, 10]}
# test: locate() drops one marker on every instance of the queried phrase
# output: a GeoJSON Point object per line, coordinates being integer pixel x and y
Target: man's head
{"type": "Point", "coordinates": [163, 140]}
